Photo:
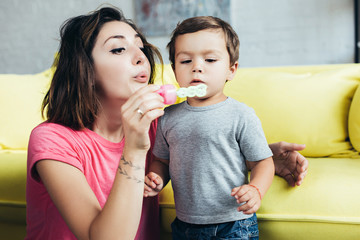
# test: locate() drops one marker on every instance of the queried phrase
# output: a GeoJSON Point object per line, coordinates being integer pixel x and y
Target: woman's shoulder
{"type": "Point", "coordinates": [52, 128]}
{"type": "Point", "coordinates": [55, 133]}
{"type": "Point", "coordinates": [50, 125]}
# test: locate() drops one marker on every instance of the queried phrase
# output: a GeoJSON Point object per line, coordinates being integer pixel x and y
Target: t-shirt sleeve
{"type": "Point", "coordinates": [53, 142]}
{"type": "Point", "coordinates": [252, 140]}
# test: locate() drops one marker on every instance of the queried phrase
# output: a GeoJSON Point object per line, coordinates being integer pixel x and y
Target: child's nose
{"type": "Point", "coordinates": [197, 70]}
{"type": "Point", "coordinates": [197, 67]}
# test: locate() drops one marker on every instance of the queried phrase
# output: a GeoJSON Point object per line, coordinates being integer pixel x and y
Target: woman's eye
{"type": "Point", "coordinates": [117, 50]}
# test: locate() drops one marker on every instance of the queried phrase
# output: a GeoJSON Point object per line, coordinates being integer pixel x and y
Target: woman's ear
{"type": "Point", "coordinates": [232, 71]}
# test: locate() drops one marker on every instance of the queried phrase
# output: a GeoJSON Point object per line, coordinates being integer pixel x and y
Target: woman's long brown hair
{"type": "Point", "coordinates": [72, 99]}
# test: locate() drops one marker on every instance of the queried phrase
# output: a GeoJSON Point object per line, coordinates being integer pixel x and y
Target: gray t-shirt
{"type": "Point", "coordinates": [207, 148]}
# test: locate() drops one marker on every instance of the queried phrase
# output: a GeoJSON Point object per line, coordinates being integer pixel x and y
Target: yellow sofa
{"type": "Point", "coordinates": [315, 105]}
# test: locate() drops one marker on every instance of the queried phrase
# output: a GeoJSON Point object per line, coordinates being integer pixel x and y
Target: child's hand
{"type": "Point", "coordinates": [248, 195]}
{"type": "Point", "coordinates": [153, 184]}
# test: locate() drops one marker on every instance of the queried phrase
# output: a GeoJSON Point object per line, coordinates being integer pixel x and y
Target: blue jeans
{"type": "Point", "coordinates": [237, 230]}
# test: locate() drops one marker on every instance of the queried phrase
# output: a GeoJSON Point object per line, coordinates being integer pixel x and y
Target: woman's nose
{"type": "Point", "coordinates": [139, 57]}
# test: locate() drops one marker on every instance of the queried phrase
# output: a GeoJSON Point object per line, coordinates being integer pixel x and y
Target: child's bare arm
{"type": "Point", "coordinates": [157, 177]}
{"type": "Point", "coordinates": [262, 174]}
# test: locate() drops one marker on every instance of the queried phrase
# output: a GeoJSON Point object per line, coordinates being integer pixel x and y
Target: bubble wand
{"type": "Point", "coordinates": [169, 92]}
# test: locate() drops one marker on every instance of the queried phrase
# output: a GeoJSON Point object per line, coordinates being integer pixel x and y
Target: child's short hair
{"type": "Point", "coordinates": [196, 24]}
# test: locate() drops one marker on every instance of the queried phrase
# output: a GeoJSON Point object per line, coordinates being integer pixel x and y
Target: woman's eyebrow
{"type": "Point", "coordinates": [115, 36]}
{"type": "Point", "coordinates": [119, 37]}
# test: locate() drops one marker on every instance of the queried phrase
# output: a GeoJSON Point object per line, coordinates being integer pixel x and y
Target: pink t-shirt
{"type": "Point", "coordinates": [97, 158]}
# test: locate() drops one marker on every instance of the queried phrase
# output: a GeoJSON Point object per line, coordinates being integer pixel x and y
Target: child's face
{"type": "Point", "coordinates": [202, 57]}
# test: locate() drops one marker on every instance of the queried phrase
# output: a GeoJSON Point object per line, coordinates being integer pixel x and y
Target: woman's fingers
{"type": "Point", "coordinates": [143, 99]}
{"type": "Point", "coordinates": [137, 114]}
{"type": "Point", "coordinates": [144, 106]}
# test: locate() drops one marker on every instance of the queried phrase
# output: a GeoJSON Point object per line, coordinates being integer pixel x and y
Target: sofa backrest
{"type": "Point", "coordinates": [20, 103]}
{"type": "Point", "coordinates": [303, 104]}
{"type": "Point", "coordinates": [354, 120]}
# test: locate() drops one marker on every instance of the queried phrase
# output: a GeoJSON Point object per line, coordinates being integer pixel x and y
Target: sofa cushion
{"type": "Point", "coordinates": [325, 206]}
{"type": "Point", "coordinates": [12, 185]}
{"type": "Point", "coordinates": [12, 194]}
{"type": "Point", "coordinates": [354, 120]}
{"type": "Point", "coordinates": [20, 97]}
{"type": "Point", "coordinates": [306, 104]}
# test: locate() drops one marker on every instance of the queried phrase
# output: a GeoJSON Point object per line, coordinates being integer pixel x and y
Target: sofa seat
{"type": "Point", "coordinates": [325, 206]}
{"type": "Point", "coordinates": [12, 194]}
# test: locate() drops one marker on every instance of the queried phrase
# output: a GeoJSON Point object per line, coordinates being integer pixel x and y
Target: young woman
{"type": "Point", "coordinates": [86, 164]}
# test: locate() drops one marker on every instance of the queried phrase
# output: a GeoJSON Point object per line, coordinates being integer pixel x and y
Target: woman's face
{"type": "Point", "coordinates": [121, 66]}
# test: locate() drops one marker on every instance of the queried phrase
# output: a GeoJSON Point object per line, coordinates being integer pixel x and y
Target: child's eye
{"type": "Point", "coordinates": [185, 61]}
{"type": "Point", "coordinates": [117, 50]}
{"type": "Point", "coordinates": [211, 60]}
